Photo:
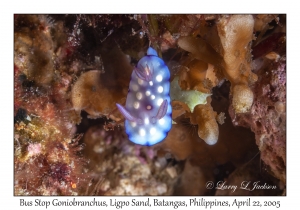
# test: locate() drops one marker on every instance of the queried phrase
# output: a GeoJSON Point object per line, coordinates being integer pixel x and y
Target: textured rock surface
{"type": "Point", "coordinates": [267, 117]}
{"type": "Point", "coordinates": [124, 168]}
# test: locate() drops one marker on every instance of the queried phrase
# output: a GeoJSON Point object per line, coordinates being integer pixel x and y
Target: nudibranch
{"type": "Point", "coordinates": [148, 108]}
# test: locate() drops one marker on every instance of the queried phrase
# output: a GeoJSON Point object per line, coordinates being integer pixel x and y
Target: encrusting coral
{"type": "Point", "coordinates": [236, 34]}
{"type": "Point", "coordinates": [34, 49]}
{"type": "Point", "coordinates": [242, 98]}
{"type": "Point", "coordinates": [94, 91]}
{"type": "Point", "coordinates": [131, 170]}
{"type": "Point", "coordinates": [190, 97]}
{"type": "Point", "coordinates": [267, 116]}
{"type": "Point", "coordinates": [46, 147]}
{"type": "Point", "coordinates": [228, 75]}
{"type": "Point", "coordinates": [205, 118]}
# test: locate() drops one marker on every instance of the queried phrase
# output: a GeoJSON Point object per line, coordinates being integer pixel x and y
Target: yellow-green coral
{"type": "Point", "coordinates": [189, 97]}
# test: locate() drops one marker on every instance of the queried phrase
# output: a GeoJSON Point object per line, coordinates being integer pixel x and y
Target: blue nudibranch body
{"type": "Point", "coordinates": [148, 106]}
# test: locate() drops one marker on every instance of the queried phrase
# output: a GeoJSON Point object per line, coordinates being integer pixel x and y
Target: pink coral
{"type": "Point", "coordinates": [34, 149]}
{"type": "Point", "coordinates": [265, 121]}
